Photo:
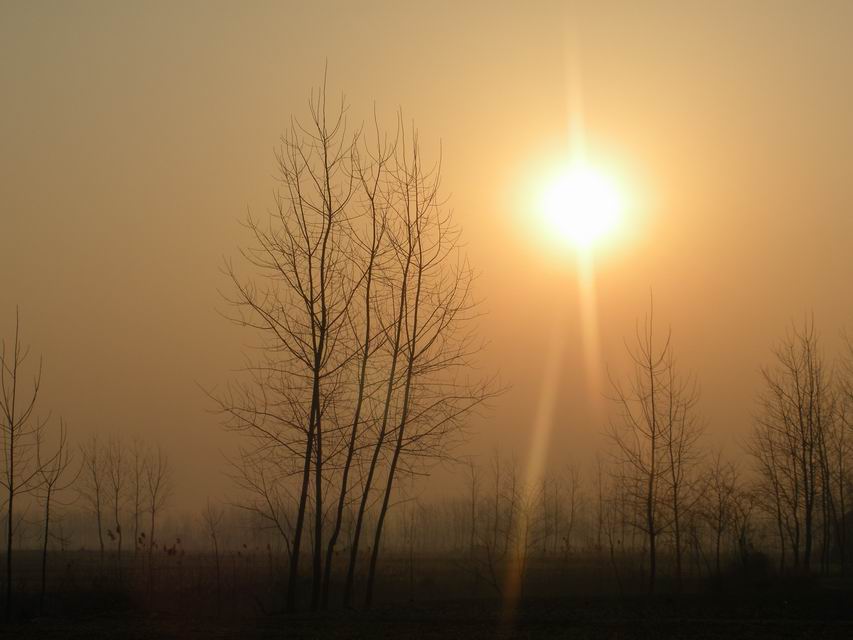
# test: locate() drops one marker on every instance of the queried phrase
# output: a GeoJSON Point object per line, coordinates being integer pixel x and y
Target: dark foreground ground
{"type": "Point", "coordinates": [817, 615]}
{"type": "Point", "coordinates": [186, 597]}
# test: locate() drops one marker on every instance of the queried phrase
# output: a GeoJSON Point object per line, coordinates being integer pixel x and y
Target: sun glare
{"type": "Point", "coordinates": [582, 206]}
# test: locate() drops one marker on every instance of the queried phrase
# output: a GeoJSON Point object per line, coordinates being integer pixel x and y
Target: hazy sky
{"type": "Point", "coordinates": [134, 136]}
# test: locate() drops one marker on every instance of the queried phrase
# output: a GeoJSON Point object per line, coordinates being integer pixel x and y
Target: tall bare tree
{"type": "Point", "coordinates": [371, 177]}
{"type": "Point", "coordinates": [93, 484]}
{"type": "Point", "coordinates": [639, 431]}
{"type": "Point", "coordinates": [434, 314]}
{"type": "Point", "coordinates": [573, 496]}
{"type": "Point", "coordinates": [136, 488]}
{"type": "Point", "coordinates": [213, 516]}
{"type": "Point", "coordinates": [116, 476]}
{"type": "Point", "coordinates": [300, 309]}
{"type": "Point", "coordinates": [267, 492]}
{"type": "Point", "coordinates": [797, 413]}
{"type": "Point", "coordinates": [841, 450]}
{"type": "Point", "coordinates": [474, 477]}
{"type": "Point", "coordinates": [398, 295]}
{"type": "Point", "coordinates": [360, 296]}
{"type": "Point", "coordinates": [720, 504]}
{"type": "Point", "coordinates": [57, 475]}
{"type": "Point", "coordinates": [158, 486]}
{"type": "Point", "coordinates": [681, 432]}
{"type": "Point", "coordinates": [20, 431]}
{"type": "Point", "coordinates": [655, 436]}
{"type": "Point", "coordinates": [771, 492]}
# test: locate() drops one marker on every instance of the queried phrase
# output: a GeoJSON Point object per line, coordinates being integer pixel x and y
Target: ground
{"type": "Point", "coordinates": [182, 598]}
{"type": "Point", "coordinates": [826, 616]}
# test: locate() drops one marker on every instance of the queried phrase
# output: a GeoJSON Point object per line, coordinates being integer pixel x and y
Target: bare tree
{"type": "Point", "coordinates": [599, 484]}
{"type": "Point", "coordinates": [639, 433]}
{"type": "Point", "coordinates": [742, 522]}
{"type": "Point", "coordinates": [158, 487]}
{"type": "Point", "coordinates": [610, 512]}
{"type": "Point", "coordinates": [834, 451]}
{"type": "Point", "coordinates": [20, 431]}
{"type": "Point", "coordinates": [371, 176]}
{"type": "Point", "coordinates": [137, 470]}
{"type": "Point", "coordinates": [116, 476]}
{"type": "Point", "coordinates": [474, 477]}
{"type": "Point", "coordinates": [361, 307]}
{"type": "Point", "coordinates": [434, 314]}
{"type": "Point", "coordinates": [574, 482]}
{"type": "Point", "coordinates": [92, 487]}
{"type": "Point", "coordinates": [57, 475]}
{"type": "Point", "coordinates": [681, 433]}
{"type": "Point", "coordinates": [213, 517]}
{"type": "Point", "coordinates": [840, 450]}
{"type": "Point", "coordinates": [655, 436]}
{"type": "Point", "coordinates": [721, 494]}
{"type": "Point", "coordinates": [301, 310]}
{"type": "Point", "coordinates": [268, 496]}
{"type": "Point", "coordinates": [797, 412]}
{"type": "Point", "coordinates": [395, 346]}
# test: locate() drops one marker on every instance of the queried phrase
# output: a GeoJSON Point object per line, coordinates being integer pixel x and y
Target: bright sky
{"type": "Point", "coordinates": [134, 136]}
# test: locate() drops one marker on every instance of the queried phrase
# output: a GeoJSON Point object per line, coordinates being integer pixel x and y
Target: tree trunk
{"type": "Point", "coordinates": [362, 507]}
{"type": "Point", "coordinates": [677, 526]}
{"type": "Point", "coordinates": [44, 548]}
{"type": "Point", "coordinates": [9, 526]}
{"type": "Point", "coordinates": [118, 535]}
{"type": "Point", "coordinates": [401, 428]}
{"type": "Point", "coordinates": [318, 497]}
{"type": "Point", "coordinates": [151, 551]}
{"type": "Point", "coordinates": [293, 571]}
{"type": "Point", "coordinates": [362, 378]}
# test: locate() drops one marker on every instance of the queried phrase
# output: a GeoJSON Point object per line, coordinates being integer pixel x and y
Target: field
{"type": "Point", "coordinates": [441, 599]}
{"type": "Point", "coordinates": [569, 618]}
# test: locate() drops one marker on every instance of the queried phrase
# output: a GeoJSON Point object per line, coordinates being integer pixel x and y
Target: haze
{"type": "Point", "coordinates": [136, 136]}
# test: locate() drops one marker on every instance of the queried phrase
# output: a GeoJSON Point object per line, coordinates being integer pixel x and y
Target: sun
{"type": "Point", "coordinates": [582, 206]}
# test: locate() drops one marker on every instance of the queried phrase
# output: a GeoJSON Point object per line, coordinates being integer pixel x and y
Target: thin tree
{"type": "Point", "coordinates": [395, 347]}
{"type": "Point", "coordinates": [770, 491]}
{"type": "Point", "coordinates": [158, 486]}
{"type": "Point", "coordinates": [57, 475]}
{"type": "Point", "coordinates": [798, 410]}
{"type": "Point", "coordinates": [435, 310]}
{"type": "Point", "coordinates": [20, 431]}
{"type": "Point", "coordinates": [213, 516]}
{"type": "Point", "coordinates": [92, 488]}
{"type": "Point", "coordinates": [137, 470]}
{"type": "Point", "coordinates": [842, 447]}
{"type": "Point", "coordinates": [651, 433]}
{"type": "Point", "coordinates": [116, 475]}
{"type": "Point", "coordinates": [301, 309]}
{"type": "Point", "coordinates": [573, 478]}
{"type": "Point", "coordinates": [721, 494]}
{"type": "Point", "coordinates": [474, 498]}
{"type": "Point", "coordinates": [268, 496]}
{"type": "Point", "coordinates": [371, 176]}
{"type": "Point", "coordinates": [681, 433]}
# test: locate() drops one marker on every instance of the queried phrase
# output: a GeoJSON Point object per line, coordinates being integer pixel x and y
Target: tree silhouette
{"type": "Point", "coordinates": [656, 435]}
{"type": "Point", "coordinates": [21, 432]}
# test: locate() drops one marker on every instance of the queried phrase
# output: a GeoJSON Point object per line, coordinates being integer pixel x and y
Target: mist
{"type": "Point", "coordinates": [162, 227]}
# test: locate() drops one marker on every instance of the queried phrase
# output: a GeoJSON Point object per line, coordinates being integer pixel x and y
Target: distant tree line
{"type": "Point", "coordinates": [42, 474]}
{"type": "Point", "coordinates": [659, 492]}
{"type": "Point", "coordinates": [657, 506]}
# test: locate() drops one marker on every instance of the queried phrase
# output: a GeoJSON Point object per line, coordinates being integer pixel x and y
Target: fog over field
{"type": "Point", "coordinates": [328, 306]}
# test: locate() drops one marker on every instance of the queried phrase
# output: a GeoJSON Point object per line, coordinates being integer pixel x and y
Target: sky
{"type": "Point", "coordinates": [135, 136]}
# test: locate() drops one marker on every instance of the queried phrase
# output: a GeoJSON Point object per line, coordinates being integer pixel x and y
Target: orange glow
{"type": "Point", "coordinates": [582, 205]}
